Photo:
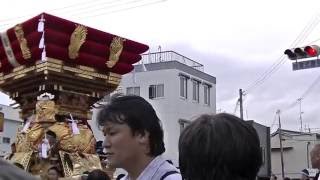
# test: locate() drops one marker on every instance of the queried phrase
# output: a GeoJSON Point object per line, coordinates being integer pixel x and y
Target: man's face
{"type": "Point", "coordinates": [122, 147]}
{"type": "Point", "coordinates": [315, 159]}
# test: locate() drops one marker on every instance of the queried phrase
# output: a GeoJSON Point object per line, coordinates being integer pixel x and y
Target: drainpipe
{"type": "Point", "coordinates": [308, 143]}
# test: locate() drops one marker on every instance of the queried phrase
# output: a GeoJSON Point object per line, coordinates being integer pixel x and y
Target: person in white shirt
{"type": "Point", "coordinates": [219, 147]}
{"type": "Point", "coordinates": [134, 139]}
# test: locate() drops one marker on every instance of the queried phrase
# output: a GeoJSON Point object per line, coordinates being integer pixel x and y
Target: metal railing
{"type": "Point", "coordinates": [166, 56]}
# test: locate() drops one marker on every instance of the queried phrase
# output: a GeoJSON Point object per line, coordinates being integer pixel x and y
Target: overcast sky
{"type": "Point", "coordinates": [236, 41]}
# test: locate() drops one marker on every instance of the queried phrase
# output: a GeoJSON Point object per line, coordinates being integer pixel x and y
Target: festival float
{"type": "Point", "coordinates": [56, 70]}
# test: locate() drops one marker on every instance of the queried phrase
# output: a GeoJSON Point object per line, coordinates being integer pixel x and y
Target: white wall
{"type": "Point", "coordinates": [295, 158]}
{"type": "Point", "coordinates": [11, 124]}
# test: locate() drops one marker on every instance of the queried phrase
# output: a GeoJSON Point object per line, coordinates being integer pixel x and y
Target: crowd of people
{"type": "Point", "coordinates": [212, 147]}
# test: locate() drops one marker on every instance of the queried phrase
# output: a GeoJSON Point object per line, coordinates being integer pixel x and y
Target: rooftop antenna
{"type": "Point", "coordinates": [300, 114]}
{"type": "Point", "coordinates": [149, 56]}
{"type": "Point", "coordinates": [159, 49]}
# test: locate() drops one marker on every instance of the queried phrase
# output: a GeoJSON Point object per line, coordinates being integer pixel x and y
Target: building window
{"type": "Point", "coordinates": [6, 140]}
{"type": "Point", "coordinates": [133, 91]}
{"type": "Point", "coordinates": [156, 91]}
{"type": "Point", "coordinates": [183, 124]}
{"type": "Point", "coordinates": [195, 87]}
{"type": "Point", "coordinates": [183, 87]}
{"type": "Point", "coordinates": [206, 94]}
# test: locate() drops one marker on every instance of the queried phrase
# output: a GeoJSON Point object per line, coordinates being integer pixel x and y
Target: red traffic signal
{"type": "Point", "coordinates": [300, 53]}
{"type": "Point", "coordinates": [312, 51]}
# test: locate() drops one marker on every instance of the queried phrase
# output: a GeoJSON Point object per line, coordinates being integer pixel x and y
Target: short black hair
{"type": "Point", "coordinates": [221, 147]}
{"type": "Point", "coordinates": [138, 114]}
{"type": "Point", "coordinates": [98, 174]}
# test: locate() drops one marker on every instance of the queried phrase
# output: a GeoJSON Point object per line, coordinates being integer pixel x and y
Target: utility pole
{"type": "Point", "coordinates": [300, 114]}
{"type": "Point", "coordinates": [240, 102]}
{"type": "Point", "coordinates": [281, 149]}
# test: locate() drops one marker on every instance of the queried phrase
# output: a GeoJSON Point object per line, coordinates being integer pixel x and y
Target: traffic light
{"type": "Point", "coordinates": [303, 52]}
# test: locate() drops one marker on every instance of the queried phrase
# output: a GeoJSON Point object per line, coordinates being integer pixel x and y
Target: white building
{"type": "Point", "coordinates": [10, 127]}
{"type": "Point", "coordinates": [296, 152]}
{"type": "Point", "coordinates": [178, 89]}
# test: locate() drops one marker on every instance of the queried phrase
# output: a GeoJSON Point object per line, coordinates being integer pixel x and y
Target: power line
{"type": "Point", "coordinates": [274, 121]}
{"type": "Point", "coordinates": [101, 6]}
{"type": "Point", "coordinates": [304, 94]}
{"type": "Point", "coordinates": [107, 12]}
{"type": "Point", "coordinates": [56, 9]}
{"type": "Point", "coordinates": [94, 7]}
{"type": "Point", "coordinates": [236, 107]}
{"type": "Point", "coordinates": [124, 9]}
{"type": "Point", "coordinates": [314, 83]}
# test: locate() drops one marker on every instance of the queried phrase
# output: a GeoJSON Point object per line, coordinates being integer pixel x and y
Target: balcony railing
{"type": "Point", "coordinates": [166, 56]}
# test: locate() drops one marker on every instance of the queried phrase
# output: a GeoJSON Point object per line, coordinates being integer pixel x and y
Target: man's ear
{"type": "Point", "coordinates": [143, 138]}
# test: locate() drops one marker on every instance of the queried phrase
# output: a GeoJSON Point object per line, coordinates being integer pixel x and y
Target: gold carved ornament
{"type": "Point", "coordinates": [83, 142]}
{"type": "Point", "coordinates": [29, 141]}
{"type": "Point", "coordinates": [78, 37]}
{"type": "Point", "coordinates": [26, 54]}
{"type": "Point", "coordinates": [45, 111]}
{"type": "Point", "coordinates": [116, 48]}
{"type": "Point", "coordinates": [76, 163]}
{"type": "Point", "coordinates": [22, 158]}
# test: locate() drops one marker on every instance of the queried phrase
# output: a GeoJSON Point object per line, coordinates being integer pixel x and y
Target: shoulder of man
{"type": "Point", "coordinates": [171, 175]}
{"type": "Point", "coordinates": [170, 172]}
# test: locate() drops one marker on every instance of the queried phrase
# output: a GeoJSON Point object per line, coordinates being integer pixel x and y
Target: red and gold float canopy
{"type": "Point", "coordinates": [48, 36]}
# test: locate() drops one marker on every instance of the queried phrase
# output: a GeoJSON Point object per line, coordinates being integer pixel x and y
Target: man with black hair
{"type": "Point", "coordinates": [219, 147]}
{"type": "Point", "coordinates": [134, 139]}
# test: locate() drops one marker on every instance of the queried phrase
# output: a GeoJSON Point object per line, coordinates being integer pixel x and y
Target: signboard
{"type": "Point", "coordinates": [1, 121]}
{"type": "Point", "coordinates": [305, 64]}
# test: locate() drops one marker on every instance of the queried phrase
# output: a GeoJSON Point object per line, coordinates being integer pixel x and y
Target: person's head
{"type": "Point", "coordinates": [53, 173]}
{"type": "Point", "coordinates": [98, 174]}
{"type": "Point", "coordinates": [304, 174]}
{"type": "Point", "coordinates": [132, 129]}
{"type": "Point", "coordinates": [221, 147]}
{"type": "Point", "coordinates": [315, 156]}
